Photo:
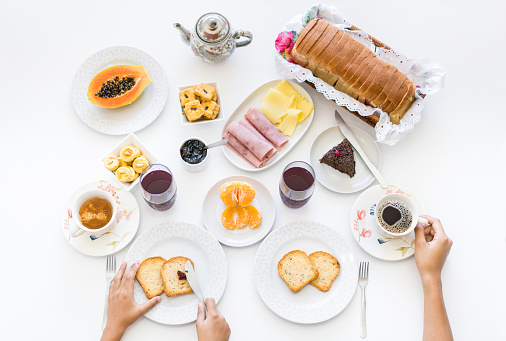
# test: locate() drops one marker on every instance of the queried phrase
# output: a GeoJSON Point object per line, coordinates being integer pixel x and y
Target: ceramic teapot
{"type": "Point", "coordinates": [213, 39]}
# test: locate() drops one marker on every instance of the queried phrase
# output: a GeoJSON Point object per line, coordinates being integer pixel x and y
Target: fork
{"type": "Point", "coordinates": [363, 274]}
{"type": "Point", "coordinates": [110, 272]}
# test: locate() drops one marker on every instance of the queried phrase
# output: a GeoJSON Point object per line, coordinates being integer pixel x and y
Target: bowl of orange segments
{"type": "Point", "coordinates": [238, 211]}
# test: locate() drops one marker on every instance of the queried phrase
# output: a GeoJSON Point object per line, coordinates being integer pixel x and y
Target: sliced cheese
{"type": "Point", "coordinates": [306, 108]}
{"type": "Point", "coordinates": [273, 113]}
{"type": "Point", "coordinates": [277, 99]}
{"type": "Point", "coordinates": [288, 124]}
{"type": "Point", "coordinates": [287, 89]}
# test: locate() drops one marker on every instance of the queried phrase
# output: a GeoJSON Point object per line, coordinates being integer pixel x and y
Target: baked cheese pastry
{"type": "Point", "coordinates": [296, 269]}
{"type": "Point", "coordinates": [149, 276]}
{"type": "Point", "coordinates": [350, 67]}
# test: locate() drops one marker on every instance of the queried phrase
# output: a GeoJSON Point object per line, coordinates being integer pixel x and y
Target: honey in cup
{"type": "Point", "coordinates": [95, 213]}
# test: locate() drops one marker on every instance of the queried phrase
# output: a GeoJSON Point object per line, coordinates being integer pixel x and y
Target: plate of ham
{"type": "Point", "coordinates": [254, 143]}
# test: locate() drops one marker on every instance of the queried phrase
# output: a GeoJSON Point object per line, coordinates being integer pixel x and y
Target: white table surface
{"type": "Point", "coordinates": [454, 161]}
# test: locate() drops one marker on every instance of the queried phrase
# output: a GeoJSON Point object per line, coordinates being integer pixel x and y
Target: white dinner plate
{"type": "Point", "coordinates": [334, 179]}
{"type": "Point", "coordinates": [214, 207]}
{"type": "Point", "coordinates": [132, 117]}
{"type": "Point", "coordinates": [309, 305]}
{"type": "Point", "coordinates": [172, 239]}
{"type": "Point", "coordinates": [113, 240]}
{"type": "Point", "coordinates": [368, 234]}
{"type": "Point", "coordinates": [253, 101]}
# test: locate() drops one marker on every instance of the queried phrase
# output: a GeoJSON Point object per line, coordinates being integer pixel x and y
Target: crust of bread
{"type": "Point", "coordinates": [149, 276]}
{"type": "Point", "coordinates": [328, 269]}
{"type": "Point", "coordinates": [296, 270]}
{"type": "Point", "coordinates": [173, 285]}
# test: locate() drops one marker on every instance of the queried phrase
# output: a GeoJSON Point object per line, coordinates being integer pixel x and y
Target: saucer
{"type": "Point", "coordinates": [114, 239]}
{"type": "Point", "coordinates": [334, 179]}
{"type": "Point", "coordinates": [369, 236]}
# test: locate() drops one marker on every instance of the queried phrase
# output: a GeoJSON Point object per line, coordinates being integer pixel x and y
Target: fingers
{"type": "Point", "coordinates": [128, 278]}
{"type": "Point", "coordinates": [119, 275]}
{"type": "Point", "coordinates": [211, 306]}
{"type": "Point", "coordinates": [149, 304]}
{"type": "Point", "coordinates": [419, 236]}
{"type": "Point", "coordinates": [436, 224]}
{"type": "Point", "coordinates": [200, 315]}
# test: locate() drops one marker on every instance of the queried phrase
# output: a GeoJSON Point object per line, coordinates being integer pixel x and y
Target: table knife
{"type": "Point", "coordinates": [191, 276]}
{"type": "Point", "coordinates": [351, 138]}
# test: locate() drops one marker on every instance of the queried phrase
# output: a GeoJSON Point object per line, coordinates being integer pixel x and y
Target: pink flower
{"type": "Point", "coordinates": [366, 233]}
{"type": "Point", "coordinates": [284, 41]}
{"type": "Point", "coordinates": [361, 214]}
{"type": "Point", "coordinates": [70, 213]}
{"type": "Point", "coordinates": [399, 191]}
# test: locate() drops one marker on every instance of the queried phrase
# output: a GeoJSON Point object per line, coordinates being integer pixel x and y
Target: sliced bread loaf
{"type": "Point", "coordinates": [173, 285]}
{"type": "Point", "coordinates": [149, 276]}
{"type": "Point", "coordinates": [296, 270]}
{"type": "Point", "coordinates": [328, 269]}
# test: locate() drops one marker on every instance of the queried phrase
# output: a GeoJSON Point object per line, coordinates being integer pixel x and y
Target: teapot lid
{"type": "Point", "coordinates": [212, 27]}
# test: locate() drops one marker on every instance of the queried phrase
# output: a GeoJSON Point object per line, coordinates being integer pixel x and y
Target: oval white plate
{"type": "Point", "coordinates": [113, 240]}
{"type": "Point", "coordinates": [132, 117]}
{"type": "Point", "coordinates": [369, 236]}
{"type": "Point", "coordinates": [171, 239]}
{"type": "Point", "coordinates": [253, 101]}
{"type": "Point", "coordinates": [309, 305]}
{"type": "Point", "coordinates": [214, 207]}
{"type": "Point", "coordinates": [334, 179]}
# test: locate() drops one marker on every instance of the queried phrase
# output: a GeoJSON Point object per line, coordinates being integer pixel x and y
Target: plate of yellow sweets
{"type": "Point", "coordinates": [238, 211]}
{"type": "Point", "coordinates": [267, 124]}
{"type": "Point", "coordinates": [127, 160]}
{"type": "Point", "coordinates": [200, 103]}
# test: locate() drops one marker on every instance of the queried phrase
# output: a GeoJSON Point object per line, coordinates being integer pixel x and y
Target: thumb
{"type": "Point", "coordinates": [419, 236]}
{"type": "Point", "coordinates": [200, 315]}
{"type": "Point", "coordinates": [149, 304]}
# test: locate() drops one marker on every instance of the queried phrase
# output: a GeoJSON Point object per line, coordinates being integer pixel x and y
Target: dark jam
{"type": "Point", "coordinates": [181, 275]}
{"type": "Point", "coordinates": [193, 152]}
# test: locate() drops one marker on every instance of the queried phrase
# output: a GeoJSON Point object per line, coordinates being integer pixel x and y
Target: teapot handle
{"type": "Point", "coordinates": [242, 33]}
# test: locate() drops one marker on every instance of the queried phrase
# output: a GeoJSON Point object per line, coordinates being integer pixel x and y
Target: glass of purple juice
{"type": "Point", "coordinates": [158, 187]}
{"type": "Point", "coordinates": [296, 185]}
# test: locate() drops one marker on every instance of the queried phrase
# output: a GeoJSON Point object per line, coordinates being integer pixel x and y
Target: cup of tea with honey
{"type": "Point", "coordinates": [95, 211]}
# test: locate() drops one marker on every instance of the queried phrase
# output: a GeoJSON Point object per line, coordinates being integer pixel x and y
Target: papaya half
{"type": "Point", "coordinates": [118, 86]}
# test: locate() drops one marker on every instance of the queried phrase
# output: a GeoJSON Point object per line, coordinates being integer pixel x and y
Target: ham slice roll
{"type": "Point", "coordinates": [254, 144]}
{"type": "Point", "coordinates": [266, 128]}
{"type": "Point", "coordinates": [241, 150]}
{"type": "Point", "coordinates": [245, 123]}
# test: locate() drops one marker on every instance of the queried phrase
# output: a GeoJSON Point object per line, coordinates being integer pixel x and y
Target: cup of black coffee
{"type": "Point", "coordinates": [397, 215]}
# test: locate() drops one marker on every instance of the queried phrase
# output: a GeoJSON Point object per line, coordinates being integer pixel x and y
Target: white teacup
{"type": "Point", "coordinates": [79, 228]}
{"type": "Point", "coordinates": [409, 204]}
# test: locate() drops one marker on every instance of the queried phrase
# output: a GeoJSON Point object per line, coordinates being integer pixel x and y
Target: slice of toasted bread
{"type": "Point", "coordinates": [296, 270]}
{"type": "Point", "coordinates": [149, 276]}
{"type": "Point", "coordinates": [328, 269]}
{"type": "Point", "coordinates": [173, 285]}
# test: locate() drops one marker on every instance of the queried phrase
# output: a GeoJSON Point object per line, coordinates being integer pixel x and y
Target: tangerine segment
{"type": "Point", "coordinates": [234, 218]}
{"type": "Point", "coordinates": [233, 193]}
{"type": "Point", "coordinates": [255, 217]}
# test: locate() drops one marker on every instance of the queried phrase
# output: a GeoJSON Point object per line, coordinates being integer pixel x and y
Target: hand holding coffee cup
{"type": "Point", "coordinates": [94, 211]}
{"type": "Point", "coordinates": [397, 215]}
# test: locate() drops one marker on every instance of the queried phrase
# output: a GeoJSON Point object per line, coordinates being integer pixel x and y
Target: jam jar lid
{"type": "Point", "coordinates": [212, 27]}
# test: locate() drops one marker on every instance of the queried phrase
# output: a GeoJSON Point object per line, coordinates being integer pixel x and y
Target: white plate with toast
{"type": "Point", "coordinates": [213, 208]}
{"type": "Point", "coordinates": [253, 101]}
{"type": "Point", "coordinates": [172, 239]}
{"type": "Point", "coordinates": [309, 305]}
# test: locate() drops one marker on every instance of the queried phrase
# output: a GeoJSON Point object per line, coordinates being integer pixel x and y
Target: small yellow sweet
{"type": "Point", "coordinates": [111, 162]}
{"type": "Point", "coordinates": [140, 163]}
{"type": "Point", "coordinates": [125, 174]}
{"type": "Point", "coordinates": [129, 153]}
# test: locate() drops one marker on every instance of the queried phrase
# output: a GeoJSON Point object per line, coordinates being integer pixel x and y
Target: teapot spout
{"type": "Point", "coordinates": [185, 34]}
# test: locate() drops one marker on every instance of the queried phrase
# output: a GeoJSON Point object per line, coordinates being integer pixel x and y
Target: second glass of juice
{"type": "Point", "coordinates": [158, 187]}
{"type": "Point", "coordinates": [297, 184]}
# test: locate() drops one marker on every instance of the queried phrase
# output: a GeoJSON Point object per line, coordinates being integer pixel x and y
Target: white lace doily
{"type": "Point", "coordinates": [428, 77]}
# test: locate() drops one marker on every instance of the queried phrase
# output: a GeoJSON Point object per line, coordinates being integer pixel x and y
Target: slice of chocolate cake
{"type": "Point", "coordinates": [341, 158]}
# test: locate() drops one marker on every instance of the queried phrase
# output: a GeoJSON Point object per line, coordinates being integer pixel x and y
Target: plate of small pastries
{"type": "Point", "coordinates": [239, 211]}
{"type": "Point", "coordinates": [305, 272]}
{"type": "Point", "coordinates": [336, 164]}
{"type": "Point", "coordinates": [267, 124]}
{"type": "Point", "coordinates": [200, 103]}
{"type": "Point", "coordinates": [131, 79]}
{"type": "Point", "coordinates": [162, 252]}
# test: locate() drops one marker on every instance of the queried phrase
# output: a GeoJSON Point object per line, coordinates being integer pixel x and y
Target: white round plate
{"type": "Point", "coordinates": [214, 207]}
{"type": "Point", "coordinates": [115, 239]}
{"type": "Point", "coordinates": [369, 236]}
{"type": "Point", "coordinates": [253, 101]}
{"type": "Point", "coordinates": [309, 305]}
{"type": "Point", "coordinates": [334, 179]}
{"type": "Point", "coordinates": [172, 239]}
{"type": "Point", "coordinates": [132, 117]}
